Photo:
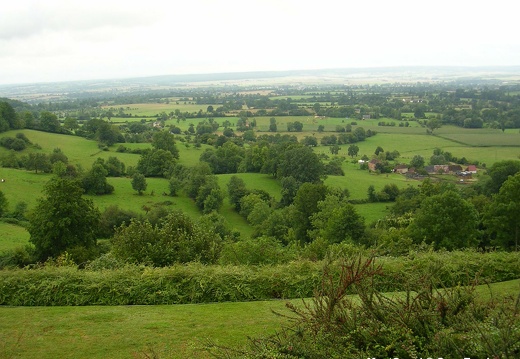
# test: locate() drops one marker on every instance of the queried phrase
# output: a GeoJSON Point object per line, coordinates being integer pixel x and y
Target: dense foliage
{"type": "Point", "coordinates": [63, 221]}
{"type": "Point", "coordinates": [108, 281]}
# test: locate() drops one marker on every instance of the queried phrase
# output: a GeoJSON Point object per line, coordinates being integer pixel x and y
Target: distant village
{"type": "Point", "coordinates": [463, 173]}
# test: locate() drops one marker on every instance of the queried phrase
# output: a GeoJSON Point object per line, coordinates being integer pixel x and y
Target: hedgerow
{"type": "Point", "coordinates": [198, 283]}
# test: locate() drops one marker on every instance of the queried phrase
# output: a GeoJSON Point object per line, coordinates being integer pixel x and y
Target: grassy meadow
{"type": "Point", "coordinates": [169, 331]}
{"type": "Point", "coordinates": [12, 236]}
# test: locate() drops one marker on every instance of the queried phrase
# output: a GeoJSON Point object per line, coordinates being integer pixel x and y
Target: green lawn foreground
{"type": "Point", "coordinates": [175, 331]}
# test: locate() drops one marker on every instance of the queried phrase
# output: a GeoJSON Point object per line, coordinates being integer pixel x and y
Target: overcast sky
{"type": "Point", "coordinates": [61, 40]}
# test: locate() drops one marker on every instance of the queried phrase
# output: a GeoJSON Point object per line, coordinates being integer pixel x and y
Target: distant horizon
{"type": "Point", "coordinates": [234, 74]}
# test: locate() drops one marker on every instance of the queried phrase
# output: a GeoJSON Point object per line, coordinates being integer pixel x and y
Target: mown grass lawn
{"type": "Point", "coordinates": [175, 331]}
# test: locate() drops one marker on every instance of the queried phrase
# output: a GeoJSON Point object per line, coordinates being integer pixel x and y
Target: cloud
{"type": "Point", "coordinates": [27, 19]}
{"type": "Point", "coordinates": [53, 40]}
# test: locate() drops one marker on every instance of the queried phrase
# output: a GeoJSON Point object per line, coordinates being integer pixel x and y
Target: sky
{"type": "Point", "coordinates": [66, 40]}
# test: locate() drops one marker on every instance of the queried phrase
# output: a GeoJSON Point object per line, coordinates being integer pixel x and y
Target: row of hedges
{"type": "Point", "coordinates": [196, 283]}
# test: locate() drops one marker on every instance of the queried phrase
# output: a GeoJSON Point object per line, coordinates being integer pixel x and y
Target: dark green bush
{"type": "Point", "coordinates": [99, 284]}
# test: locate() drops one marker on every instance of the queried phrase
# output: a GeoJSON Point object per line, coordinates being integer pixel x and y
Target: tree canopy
{"type": "Point", "coordinates": [302, 164]}
{"type": "Point", "coordinates": [445, 220]}
{"type": "Point", "coordinates": [63, 220]}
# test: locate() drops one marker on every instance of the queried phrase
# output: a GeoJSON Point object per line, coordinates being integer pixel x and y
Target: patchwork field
{"type": "Point", "coordinates": [484, 145]}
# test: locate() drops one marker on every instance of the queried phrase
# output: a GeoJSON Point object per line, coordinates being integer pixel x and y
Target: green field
{"type": "Point", "coordinates": [12, 236]}
{"type": "Point", "coordinates": [153, 109]}
{"type": "Point", "coordinates": [174, 331]}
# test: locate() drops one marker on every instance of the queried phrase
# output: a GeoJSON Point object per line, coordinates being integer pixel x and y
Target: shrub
{"type": "Point", "coordinates": [423, 321]}
{"type": "Point", "coordinates": [17, 257]}
{"type": "Point", "coordinates": [254, 251]}
{"type": "Point", "coordinates": [177, 239]}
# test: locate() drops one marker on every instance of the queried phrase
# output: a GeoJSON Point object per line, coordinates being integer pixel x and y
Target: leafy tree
{"type": "Point", "coordinates": [420, 112]}
{"type": "Point", "coordinates": [8, 117]}
{"type": "Point", "coordinates": [391, 156]}
{"type": "Point", "coordinates": [417, 161]}
{"type": "Point", "coordinates": [249, 136]}
{"type": "Point", "coordinates": [408, 201]}
{"type": "Point", "coordinates": [334, 167]}
{"type": "Point", "coordinates": [139, 183]}
{"type": "Point", "coordinates": [49, 122]}
{"type": "Point", "coordinates": [249, 202]}
{"type": "Point", "coordinates": [499, 172]}
{"type": "Point", "coordinates": [310, 141]}
{"type": "Point", "coordinates": [272, 124]}
{"type": "Point", "coordinates": [445, 220]}
{"type": "Point", "coordinates": [95, 181]}
{"type": "Point", "coordinates": [209, 196]}
{"type": "Point", "coordinates": [379, 149]}
{"type": "Point", "coordinates": [502, 217]}
{"type": "Point", "coordinates": [289, 188]}
{"type": "Point", "coordinates": [236, 190]}
{"type": "Point", "coordinates": [155, 163]}
{"type": "Point", "coordinates": [58, 155]}
{"type": "Point", "coordinates": [433, 124]}
{"type": "Point", "coordinates": [225, 159]}
{"type": "Point", "coordinates": [113, 217]}
{"type": "Point", "coordinates": [174, 185]}
{"type": "Point", "coordinates": [62, 170]}
{"type": "Point", "coordinates": [108, 134]}
{"type": "Point", "coordinates": [214, 222]}
{"type": "Point", "coordinates": [334, 149]}
{"type": "Point", "coordinates": [359, 134]}
{"type": "Point", "coordinates": [13, 143]}
{"type": "Point", "coordinates": [390, 191]}
{"type": "Point", "coordinates": [164, 140]}
{"type": "Point", "coordinates": [305, 205]}
{"type": "Point", "coordinates": [137, 127]}
{"type": "Point", "coordinates": [372, 194]}
{"type": "Point", "coordinates": [438, 160]}
{"type": "Point", "coordinates": [20, 210]}
{"type": "Point", "coordinates": [259, 214]}
{"type": "Point", "coordinates": [302, 164]}
{"type": "Point", "coordinates": [295, 126]}
{"type": "Point", "coordinates": [278, 225]}
{"type": "Point", "coordinates": [353, 150]}
{"type": "Point", "coordinates": [196, 179]}
{"type": "Point", "coordinates": [38, 162]}
{"type": "Point", "coordinates": [62, 220]}
{"type": "Point", "coordinates": [115, 167]}
{"type": "Point", "coordinates": [336, 220]}
{"type": "Point", "coordinates": [70, 124]}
